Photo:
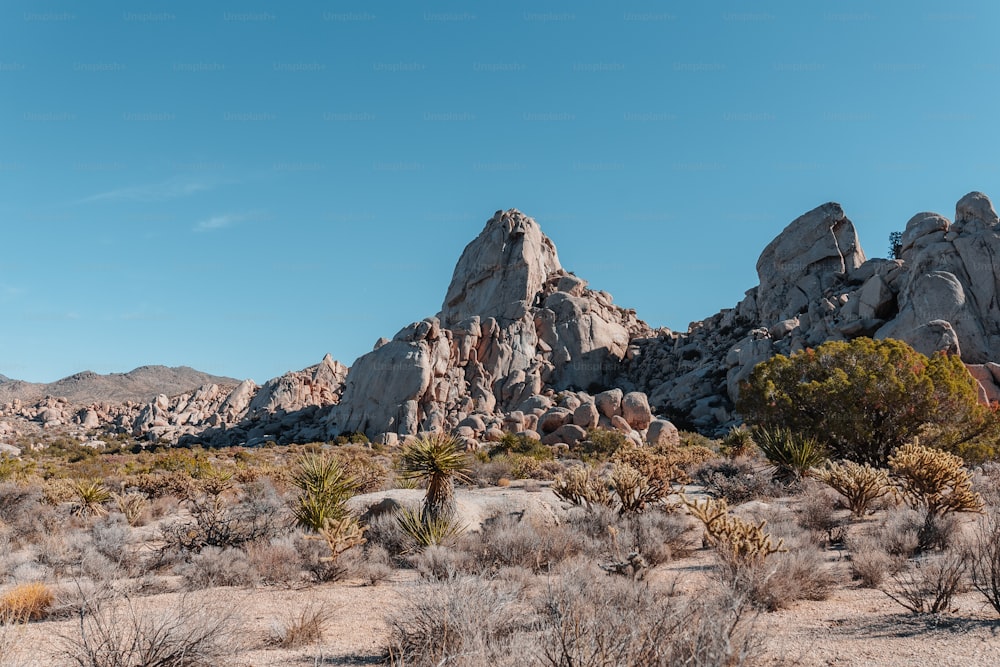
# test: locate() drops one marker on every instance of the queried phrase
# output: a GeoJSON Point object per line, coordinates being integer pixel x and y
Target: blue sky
{"type": "Point", "coordinates": [244, 187]}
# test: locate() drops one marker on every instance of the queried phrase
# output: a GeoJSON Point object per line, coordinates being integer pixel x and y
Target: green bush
{"type": "Point", "coordinates": [862, 399]}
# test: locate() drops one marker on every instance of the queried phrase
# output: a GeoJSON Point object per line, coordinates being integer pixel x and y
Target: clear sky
{"type": "Point", "coordinates": [243, 187]}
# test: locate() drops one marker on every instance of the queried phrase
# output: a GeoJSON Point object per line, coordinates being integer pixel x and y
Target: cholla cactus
{"type": "Point", "coordinates": [340, 535]}
{"type": "Point", "coordinates": [736, 540]}
{"type": "Point", "coordinates": [581, 486]}
{"type": "Point", "coordinates": [933, 480]}
{"type": "Point", "coordinates": [861, 485]}
{"type": "Point", "coordinates": [634, 489]}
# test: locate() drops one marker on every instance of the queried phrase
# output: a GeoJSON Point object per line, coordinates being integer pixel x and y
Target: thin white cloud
{"type": "Point", "coordinates": [218, 222]}
{"type": "Point", "coordinates": [173, 188]}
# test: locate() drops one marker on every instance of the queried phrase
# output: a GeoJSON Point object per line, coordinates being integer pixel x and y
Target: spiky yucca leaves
{"type": "Point", "coordinates": [89, 497]}
{"type": "Point", "coordinates": [793, 455]}
{"type": "Point", "coordinates": [737, 541]}
{"type": "Point", "coordinates": [132, 504]}
{"type": "Point", "coordinates": [324, 488]}
{"type": "Point", "coordinates": [933, 480]}
{"type": "Point", "coordinates": [441, 461]}
{"type": "Point", "coordinates": [739, 442]}
{"type": "Point", "coordinates": [861, 485]}
{"type": "Point", "coordinates": [427, 532]}
{"type": "Point", "coordinates": [581, 485]}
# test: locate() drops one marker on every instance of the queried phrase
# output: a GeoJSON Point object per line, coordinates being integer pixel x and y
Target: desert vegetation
{"type": "Point", "coordinates": [605, 552]}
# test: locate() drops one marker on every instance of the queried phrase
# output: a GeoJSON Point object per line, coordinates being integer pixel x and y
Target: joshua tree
{"type": "Point", "coordinates": [440, 460]}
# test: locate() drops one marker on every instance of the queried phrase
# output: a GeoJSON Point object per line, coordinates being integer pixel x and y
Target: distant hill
{"type": "Point", "coordinates": [141, 385]}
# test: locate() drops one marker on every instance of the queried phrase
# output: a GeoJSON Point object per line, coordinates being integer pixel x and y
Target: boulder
{"type": "Point", "coordinates": [609, 403]}
{"type": "Point", "coordinates": [636, 411]}
{"type": "Point", "coordinates": [662, 433]}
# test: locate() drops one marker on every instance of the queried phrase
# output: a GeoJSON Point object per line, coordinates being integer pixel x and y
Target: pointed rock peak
{"type": "Point", "coordinates": [811, 252]}
{"type": "Point", "coordinates": [500, 271]}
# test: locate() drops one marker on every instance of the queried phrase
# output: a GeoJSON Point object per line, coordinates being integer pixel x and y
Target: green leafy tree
{"type": "Point", "coordinates": [862, 399]}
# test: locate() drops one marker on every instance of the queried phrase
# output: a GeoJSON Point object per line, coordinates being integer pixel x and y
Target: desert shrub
{"type": "Point", "coordinates": [215, 566]}
{"type": "Point", "coordinates": [440, 563]}
{"type": "Point", "coordinates": [734, 538]}
{"type": "Point", "coordinates": [984, 559]}
{"type": "Point", "coordinates": [26, 602]}
{"type": "Point", "coordinates": [897, 532]}
{"type": "Point", "coordinates": [793, 455]}
{"type": "Point", "coordinates": [519, 444]}
{"type": "Point", "coordinates": [490, 472]}
{"type": "Point", "coordinates": [601, 443]}
{"type": "Point", "coordinates": [259, 514]}
{"type": "Point", "coordinates": [581, 485]}
{"type": "Point", "coordinates": [860, 484]}
{"type": "Point", "coordinates": [276, 562]}
{"type": "Point", "coordinates": [928, 585]}
{"type": "Point", "coordinates": [384, 531]}
{"type": "Point", "coordinates": [111, 539]}
{"type": "Point", "coordinates": [796, 574]}
{"type": "Point", "coordinates": [510, 540]}
{"type": "Point", "coordinates": [935, 483]}
{"type": "Point", "coordinates": [303, 627]}
{"type": "Point", "coordinates": [862, 399]}
{"type": "Point", "coordinates": [375, 567]}
{"type": "Point", "coordinates": [586, 618]}
{"type": "Point", "coordinates": [736, 481]}
{"type": "Point", "coordinates": [458, 621]}
{"type": "Point", "coordinates": [121, 633]}
{"type": "Point", "coordinates": [817, 511]}
{"type": "Point", "coordinates": [22, 509]}
{"type": "Point", "coordinates": [369, 472]}
{"type": "Point", "coordinates": [871, 563]}
{"type": "Point", "coordinates": [658, 535]}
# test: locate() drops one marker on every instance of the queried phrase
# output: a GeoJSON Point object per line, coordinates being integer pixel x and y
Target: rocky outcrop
{"type": "Point", "coordinates": [523, 346]}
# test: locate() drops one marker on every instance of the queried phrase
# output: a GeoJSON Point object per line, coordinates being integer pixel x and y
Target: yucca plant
{"type": "Point", "coordinates": [739, 442]}
{"type": "Point", "coordinates": [427, 532]}
{"type": "Point", "coordinates": [793, 455]}
{"type": "Point", "coordinates": [89, 498]}
{"type": "Point", "coordinates": [440, 460]}
{"type": "Point", "coordinates": [324, 489]}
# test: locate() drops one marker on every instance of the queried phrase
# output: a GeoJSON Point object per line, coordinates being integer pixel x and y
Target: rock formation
{"type": "Point", "coordinates": [522, 346]}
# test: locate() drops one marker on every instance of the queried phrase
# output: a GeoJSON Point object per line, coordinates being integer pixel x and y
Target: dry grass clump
{"type": "Point", "coordinates": [26, 602]}
{"type": "Point", "coordinates": [303, 628]}
{"type": "Point", "coordinates": [870, 563]}
{"type": "Point", "coordinates": [217, 566]}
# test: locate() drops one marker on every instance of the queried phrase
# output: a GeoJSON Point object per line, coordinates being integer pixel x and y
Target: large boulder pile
{"type": "Point", "coordinates": [523, 346]}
